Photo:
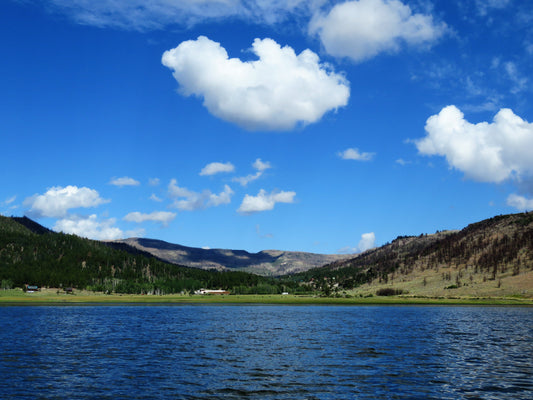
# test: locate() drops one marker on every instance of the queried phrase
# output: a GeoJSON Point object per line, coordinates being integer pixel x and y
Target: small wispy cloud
{"type": "Point", "coordinates": [402, 162]}
{"type": "Point", "coordinates": [355, 154]}
{"type": "Point", "coordinates": [262, 235]}
{"type": "Point", "coordinates": [217, 168]}
{"type": "Point", "coordinates": [142, 15]}
{"type": "Point", "coordinates": [124, 181]}
{"type": "Point", "coordinates": [154, 181]}
{"type": "Point", "coordinates": [163, 217]}
{"type": "Point", "coordinates": [520, 82]}
{"type": "Point", "coordinates": [521, 203]}
{"type": "Point", "coordinates": [367, 242]}
{"type": "Point", "coordinates": [153, 197]}
{"type": "Point", "coordinates": [189, 200]}
{"type": "Point", "coordinates": [9, 202]}
{"type": "Point", "coordinates": [264, 201]}
{"type": "Point", "coordinates": [260, 166]}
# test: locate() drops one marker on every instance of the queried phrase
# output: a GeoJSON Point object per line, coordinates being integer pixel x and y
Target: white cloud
{"type": "Point", "coordinates": [155, 198]}
{"type": "Point", "coordinates": [276, 92]}
{"type": "Point", "coordinates": [484, 6]}
{"type": "Point", "coordinates": [187, 200]}
{"type": "Point", "coordinates": [58, 200]}
{"type": "Point", "coordinates": [521, 203]}
{"type": "Point", "coordinates": [216, 168]}
{"type": "Point", "coordinates": [367, 242]}
{"type": "Point", "coordinates": [223, 197]}
{"type": "Point", "coordinates": [10, 200]}
{"type": "Point", "coordinates": [8, 203]}
{"type": "Point", "coordinates": [153, 181]}
{"type": "Point", "coordinates": [362, 29]}
{"type": "Point", "coordinates": [264, 201]}
{"type": "Point", "coordinates": [260, 166]}
{"type": "Point", "coordinates": [402, 162]}
{"type": "Point", "coordinates": [487, 152]}
{"type": "Point", "coordinates": [245, 180]}
{"type": "Point", "coordinates": [89, 227]}
{"type": "Point", "coordinates": [262, 235]}
{"type": "Point", "coordinates": [163, 217]}
{"type": "Point", "coordinates": [354, 154]}
{"type": "Point", "coordinates": [145, 15]}
{"type": "Point", "coordinates": [124, 181]}
{"type": "Point", "coordinates": [519, 82]}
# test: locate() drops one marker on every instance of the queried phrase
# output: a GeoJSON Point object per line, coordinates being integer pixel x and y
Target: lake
{"type": "Point", "coordinates": [266, 352]}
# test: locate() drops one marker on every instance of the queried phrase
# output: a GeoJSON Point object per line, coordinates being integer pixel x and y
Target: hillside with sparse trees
{"type": "Point", "coordinates": [494, 256]}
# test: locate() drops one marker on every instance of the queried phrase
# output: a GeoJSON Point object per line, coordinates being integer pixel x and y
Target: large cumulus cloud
{"type": "Point", "coordinates": [486, 151]}
{"type": "Point", "coordinates": [57, 201]}
{"type": "Point", "coordinates": [275, 92]}
{"type": "Point", "coordinates": [364, 28]}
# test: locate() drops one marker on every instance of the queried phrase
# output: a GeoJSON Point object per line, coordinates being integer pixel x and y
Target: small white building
{"type": "Point", "coordinates": [211, 291]}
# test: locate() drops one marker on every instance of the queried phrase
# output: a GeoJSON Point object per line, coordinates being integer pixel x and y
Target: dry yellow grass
{"type": "Point", "coordinates": [430, 283]}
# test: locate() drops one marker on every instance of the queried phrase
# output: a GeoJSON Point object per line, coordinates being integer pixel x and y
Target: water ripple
{"type": "Point", "coordinates": [266, 352]}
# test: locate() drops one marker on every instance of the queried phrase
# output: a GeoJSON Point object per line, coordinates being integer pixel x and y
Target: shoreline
{"type": "Point", "coordinates": [116, 299]}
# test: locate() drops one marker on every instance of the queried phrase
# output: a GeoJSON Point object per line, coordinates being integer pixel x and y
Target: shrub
{"type": "Point", "coordinates": [388, 292]}
{"type": "Point", "coordinates": [452, 287]}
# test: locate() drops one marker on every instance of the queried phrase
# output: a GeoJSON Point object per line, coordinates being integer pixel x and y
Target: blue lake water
{"type": "Point", "coordinates": [266, 352]}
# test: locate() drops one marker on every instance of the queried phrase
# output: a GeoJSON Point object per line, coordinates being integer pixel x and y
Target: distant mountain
{"type": "Point", "coordinates": [491, 257]}
{"type": "Point", "coordinates": [266, 262]}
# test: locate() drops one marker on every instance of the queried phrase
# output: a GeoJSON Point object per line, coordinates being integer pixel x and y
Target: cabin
{"type": "Point", "coordinates": [211, 291]}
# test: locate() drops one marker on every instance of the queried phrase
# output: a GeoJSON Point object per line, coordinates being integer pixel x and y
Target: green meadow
{"type": "Point", "coordinates": [18, 297]}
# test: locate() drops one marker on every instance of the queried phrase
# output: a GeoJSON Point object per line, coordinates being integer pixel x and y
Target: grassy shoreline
{"type": "Point", "coordinates": [19, 298]}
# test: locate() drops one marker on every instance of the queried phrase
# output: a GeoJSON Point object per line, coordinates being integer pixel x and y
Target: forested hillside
{"type": "Point", "coordinates": [487, 251]}
{"type": "Point", "coordinates": [32, 254]}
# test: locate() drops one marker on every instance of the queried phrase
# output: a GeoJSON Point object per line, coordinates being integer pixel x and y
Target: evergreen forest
{"type": "Point", "coordinates": [33, 255]}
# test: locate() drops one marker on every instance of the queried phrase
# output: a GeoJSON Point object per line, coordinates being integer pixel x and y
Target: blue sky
{"type": "Point", "coordinates": [320, 126]}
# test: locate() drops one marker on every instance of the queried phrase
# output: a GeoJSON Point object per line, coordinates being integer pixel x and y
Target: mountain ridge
{"type": "Point", "coordinates": [264, 262]}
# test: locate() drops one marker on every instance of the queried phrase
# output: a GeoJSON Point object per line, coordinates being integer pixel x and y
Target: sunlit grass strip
{"type": "Point", "coordinates": [30, 299]}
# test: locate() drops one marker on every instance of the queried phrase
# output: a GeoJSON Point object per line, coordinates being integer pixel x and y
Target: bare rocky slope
{"type": "Point", "coordinates": [266, 262]}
